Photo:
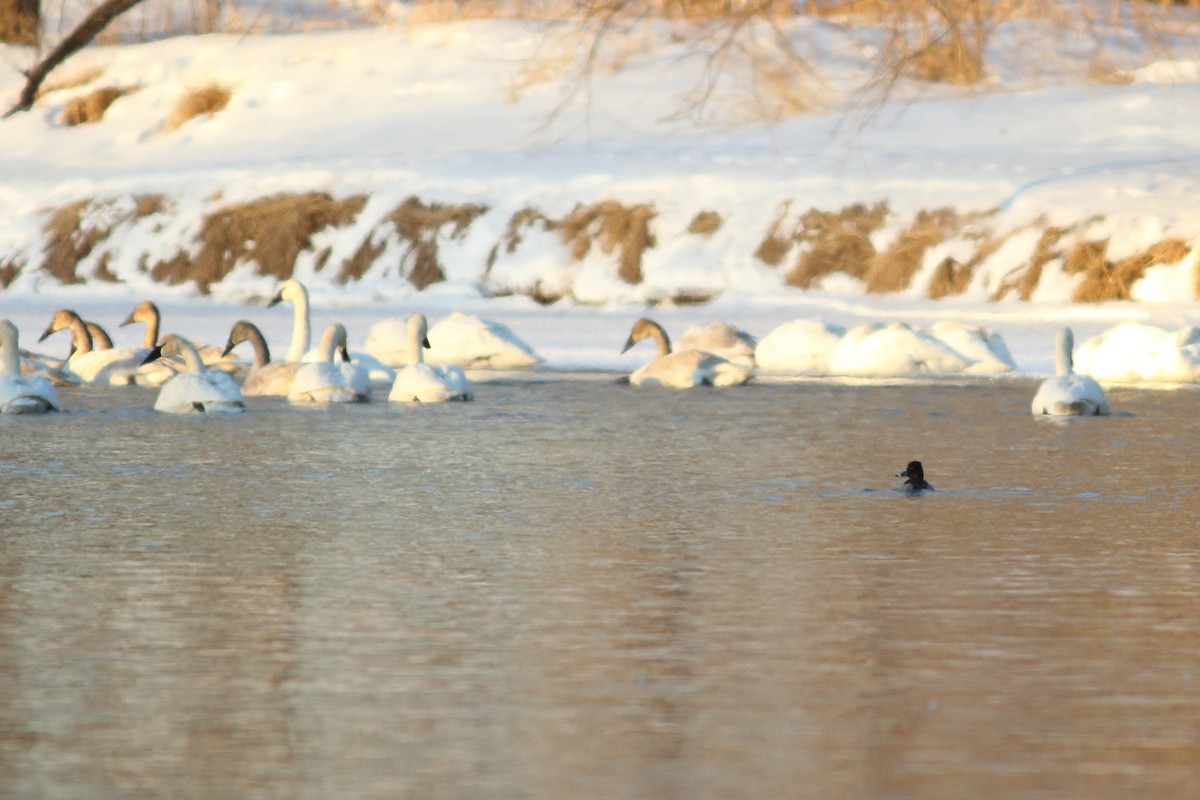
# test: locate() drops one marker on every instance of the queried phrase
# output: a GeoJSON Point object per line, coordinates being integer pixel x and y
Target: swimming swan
{"type": "Point", "coordinates": [681, 369]}
{"type": "Point", "coordinates": [21, 394]}
{"type": "Point", "coordinates": [266, 378]}
{"type": "Point", "coordinates": [721, 339]}
{"type": "Point", "coordinates": [916, 482]}
{"type": "Point", "coordinates": [460, 339]}
{"type": "Point", "coordinates": [1068, 394]}
{"type": "Point", "coordinates": [327, 382]}
{"type": "Point", "coordinates": [427, 383]}
{"type": "Point", "coordinates": [196, 389]}
{"type": "Point", "coordinates": [148, 313]}
{"type": "Point", "coordinates": [116, 366]}
{"type": "Point", "coordinates": [294, 292]}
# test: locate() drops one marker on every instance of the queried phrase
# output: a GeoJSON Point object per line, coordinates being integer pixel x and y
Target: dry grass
{"type": "Point", "coordinates": [209, 99]}
{"type": "Point", "coordinates": [778, 242]}
{"type": "Point", "coordinates": [70, 80]}
{"type": "Point", "coordinates": [836, 242]}
{"type": "Point", "coordinates": [89, 108]}
{"type": "Point", "coordinates": [1024, 279]}
{"type": "Point", "coordinates": [1105, 280]}
{"type": "Point", "coordinates": [420, 225]}
{"type": "Point", "coordinates": [69, 239]}
{"type": "Point", "coordinates": [10, 268]}
{"type": "Point", "coordinates": [705, 223]}
{"type": "Point", "coordinates": [952, 277]}
{"type": "Point", "coordinates": [893, 269]}
{"type": "Point", "coordinates": [618, 229]}
{"type": "Point", "coordinates": [271, 231]}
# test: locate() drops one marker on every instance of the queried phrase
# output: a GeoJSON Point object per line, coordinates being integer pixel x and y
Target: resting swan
{"type": "Point", "coordinates": [21, 394]}
{"type": "Point", "coordinates": [1068, 394]}
{"type": "Point", "coordinates": [682, 369]}
{"type": "Point", "coordinates": [115, 366]}
{"type": "Point", "coordinates": [326, 382]}
{"type": "Point", "coordinates": [266, 378]}
{"type": "Point", "coordinates": [198, 388]}
{"type": "Point", "coordinates": [148, 313]}
{"type": "Point", "coordinates": [425, 383]}
{"type": "Point", "coordinates": [463, 340]}
{"type": "Point", "coordinates": [294, 292]}
{"type": "Point", "coordinates": [721, 339]}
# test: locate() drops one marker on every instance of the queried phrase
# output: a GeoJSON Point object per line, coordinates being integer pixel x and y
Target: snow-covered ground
{"type": "Point", "coordinates": [482, 112]}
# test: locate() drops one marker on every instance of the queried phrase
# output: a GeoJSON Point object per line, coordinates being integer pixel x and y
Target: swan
{"type": "Point", "coordinates": [212, 356]}
{"type": "Point", "coordinates": [21, 394]}
{"type": "Point", "coordinates": [196, 389]}
{"type": "Point", "coordinates": [799, 346]}
{"type": "Point", "coordinates": [1069, 394]}
{"type": "Point", "coordinates": [116, 366]}
{"type": "Point", "coordinates": [892, 350]}
{"type": "Point", "coordinates": [681, 369]}
{"type": "Point", "coordinates": [326, 382]}
{"type": "Point", "coordinates": [460, 339]}
{"type": "Point", "coordinates": [1133, 352]}
{"type": "Point", "coordinates": [721, 339]}
{"type": "Point", "coordinates": [266, 377]}
{"type": "Point", "coordinates": [427, 383]}
{"type": "Point", "coordinates": [100, 338]}
{"type": "Point", "coordinates": [294, 292]}
{"type": "Point", "coordinates": [916, 482]}
{"type": "Point", "coordinates": [985, 349]}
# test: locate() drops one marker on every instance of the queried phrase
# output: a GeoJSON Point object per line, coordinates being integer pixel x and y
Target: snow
{"type": "Point", "coordinates": [482, 111]}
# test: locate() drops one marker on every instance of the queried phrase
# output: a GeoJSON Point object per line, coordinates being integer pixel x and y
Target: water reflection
{"type": "Point", "coordinates": [573, 588]}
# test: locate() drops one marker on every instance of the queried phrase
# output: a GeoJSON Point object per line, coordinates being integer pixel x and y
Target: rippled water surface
{"type": "Point", "coordinates": [575, 589]}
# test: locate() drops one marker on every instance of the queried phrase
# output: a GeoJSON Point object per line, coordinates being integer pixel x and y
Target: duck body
{"type": "Point", "coordinates": [915, 483]}
{"type": "Point", "coordinates": [21, 394]}
{"type": "Point", "coordinates": [1069, 394]}
{"type": "Point", "coordinates": [197, 389]}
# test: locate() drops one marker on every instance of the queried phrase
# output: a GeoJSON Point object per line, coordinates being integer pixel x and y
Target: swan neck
{"type": "Point", "coordinates": [1063, 361]}
{"type": "Point", "coordinates": [301, 332]}
{"type": "Point", "coordinates": [660, 337]}
{"type": "Point", "coordinates": [189, 354]}
{"type": "Point", "coordinates": [10, 360]}
{"type": "Point", "coordinates": [80, 336]}
{"type": "Point", "coordinates": [262, 353]}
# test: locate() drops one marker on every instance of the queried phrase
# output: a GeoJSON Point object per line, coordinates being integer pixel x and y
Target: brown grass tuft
{"type": "Point", "coordinates": [618, 229]}
{"type": "Point", "coordinates": [838, 242]}
{"type": "Point", "coordinates": [1104, 280]}
{"type": "Point", "coordinates": [952, 277]}
{"type": "Point", "coordinates": [69, 240]}
{"type": "Point", "coordinates": [205, 100]}
{"type": "Point", "coordinates": [948, 62]}
{"type": "Point", "coordinates": [70, 81]}
{"type": "Point", "coordinates": [271, 231]}
{"type": "Point", "coordinates": [776, 245]}
{"type": "Point", "coordinates": [893, 269]}
{"type": "Point", "coordinates": [1024, 279]}
{"type": "Point", "coordinates": [89, 108]}
{"type": "Point", "coordinates": [10, 268]}
{"type": "Point", "coordinates": [419, 225]}
{"type": "Point", "coordinates": [705, 223]}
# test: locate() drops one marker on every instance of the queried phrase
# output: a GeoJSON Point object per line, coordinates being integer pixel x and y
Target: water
{"type": "Point", "coordinates": [574, 589]}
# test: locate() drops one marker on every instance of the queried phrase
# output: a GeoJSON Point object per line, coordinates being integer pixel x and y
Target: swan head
{"type": "Point", "coordinates": [144, 311]}
{"type": "Point", "coordinates": [242, 331]}
{"type": "Point", "coordinates": [646, 328]}
{"type": "Point", "coordinates": [171, 345]}
{"type": "Point", "coordinates": [292, 291]}
{"type": "Point", "coordinates": [915, 474]}
{"type": "Point", "coordinates": [63, 318]}
{"type": "Point", "coordinates": [8, 333]}
{"type": "Point", "coordinates": [418, 329]}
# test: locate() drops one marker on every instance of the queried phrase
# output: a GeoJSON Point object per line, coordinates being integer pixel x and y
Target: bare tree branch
{"type": "Point", "coordinates": [76, 40]}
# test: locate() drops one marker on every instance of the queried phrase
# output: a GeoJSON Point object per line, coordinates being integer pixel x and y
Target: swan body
{"type": "Point", "coordinates": [460, 339]}
{"type": "Point", "coordinates": [266, 378]}
{"type": "Point", "coordinates": [427, 383]}
{"type": "Point", "coordinates": [326, 382]}
{"type": "Point", "coordinates": [21, 394]}
{"type": "Point", "coordinates": [985, 349]}
{"type": "Point", "coordinates": [893, 350]}
{"type": "Point", "coordinates": [197, 389]}
{"type": "Point", "coordinates": [801, 346]}
{"type": "Point", "coordinates": [1069, 394]}
{"type": "Point", "coordinates": [721, 339]}
{"type": "Point", "coordinates": [115, 366]}
{"type": "Point", "coordinates": [1133, 352]}
{"type": "Point", "coordinates": [681, 369]}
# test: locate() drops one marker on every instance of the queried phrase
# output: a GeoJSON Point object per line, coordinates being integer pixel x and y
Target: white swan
{"type": "Point", "coordinates": [681, 369]}
{"type": "Point", "coordinates": [294, 292]}
{"type": "Point", "coordinates": [116, 366]}
{"type": "Point", "coordinates": [985, 349]}
{"type": "Point", "coordinates": [721, 339]}
{"type": "Point", "coordinates": [325, 381]}
{"type": "Point", "coordinates": [266, 378]}
{"type": "Point", "coordinates": [460, 339]}
{"type": "Point", "coordinates": [21, 394]}
{"type": "Point", "coordinates": [427, 383]}
{"type": "Point", "coordinates": [1133, 352]}
{"type": "Point", "coordinates": [1068, 393]}
{"type": "Point", "coordinates": [199, 388]}
{"type": "Point", "coordinates": [801, 346]}
{"type": "Point", "coordinates": [893, 350]}
{"type": "Point", "coordinates": [213, 357]}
